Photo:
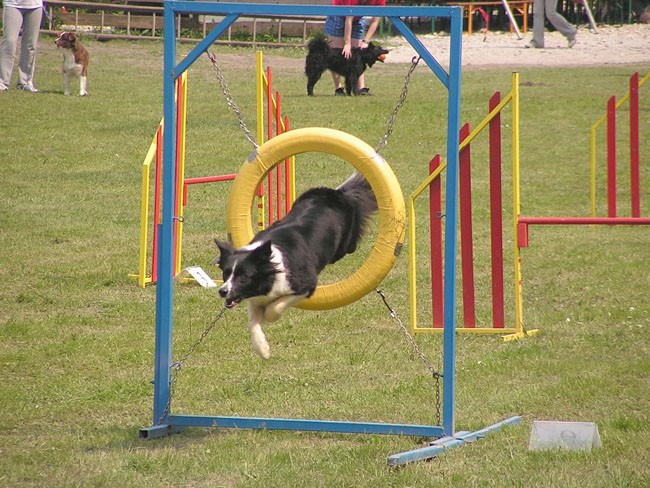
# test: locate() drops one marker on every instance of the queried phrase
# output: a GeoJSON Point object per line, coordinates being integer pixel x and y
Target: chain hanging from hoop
{"type": "Point", "coordinates": [176, 366]}
{"type": "Point", "coordinates": [434, 373]}
{"type": "Point", "coordinates": [398, 106]}
{"type": "Point", "coordinates": [230, 100]}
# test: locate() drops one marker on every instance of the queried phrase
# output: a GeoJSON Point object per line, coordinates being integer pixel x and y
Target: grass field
{"type": "Point", "coordinates": [77, 334]}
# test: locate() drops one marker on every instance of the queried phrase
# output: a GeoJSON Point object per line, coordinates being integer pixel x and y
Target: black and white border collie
{"type": "Point", "coordinates": [280, 266]}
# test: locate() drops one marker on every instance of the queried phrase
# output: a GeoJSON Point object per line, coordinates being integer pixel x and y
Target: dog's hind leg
{"type": "Point", "coordinates": [258, 339]}
{"type": "Point", "coordinates": [83, 86]}
{"type": "Point", "coordinates": [274, 310]}
{"type": "Point", "coordinates": [311, 82]}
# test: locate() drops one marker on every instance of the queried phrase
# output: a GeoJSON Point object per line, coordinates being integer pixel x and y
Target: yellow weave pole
{"type": "Point", "coordinates": [142, 277]}
{"type": "Point", "coordinates": [181, 102]}
{"type": "Point", "coordinates": [380, 176]}
{"type": "Point", "coordinates": [260, 83]}
{"type": "Point", "coordinates": [516, 212]}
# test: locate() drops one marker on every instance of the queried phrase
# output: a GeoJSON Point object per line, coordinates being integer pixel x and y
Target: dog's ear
{"type": "Point", "coordinates": [225, 250]}
{"type": "Point", "coordinates": [263, 252]}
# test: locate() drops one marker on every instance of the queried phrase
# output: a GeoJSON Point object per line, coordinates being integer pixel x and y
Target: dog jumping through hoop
{"type": "Point", "coordinates": [279, 268]}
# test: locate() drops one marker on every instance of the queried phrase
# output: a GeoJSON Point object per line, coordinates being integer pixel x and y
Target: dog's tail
{"type": "Point", "coordinates": [357, 189]}
{"type": "Point", "coordinates": [318, 43]}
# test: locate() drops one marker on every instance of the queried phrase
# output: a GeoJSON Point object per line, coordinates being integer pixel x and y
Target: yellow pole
{"type": "Point", "coordinates": [412, 265]}
{"type": "Point", "coordinates": [259, 85]}
{"type": "Point", "coordinates": [516, 203]}
{"type": "Point", "coordinates": [592, 176]}
{"type": "Point", "coordinates": [143, 279]}
{"type": "Point", "coordinates": [181, 165]}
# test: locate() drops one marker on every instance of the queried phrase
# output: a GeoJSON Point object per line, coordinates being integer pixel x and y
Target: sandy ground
{"type": "Point", "coordinates": [610, 45]}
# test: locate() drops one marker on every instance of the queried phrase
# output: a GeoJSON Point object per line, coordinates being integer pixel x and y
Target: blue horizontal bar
{"type": "Point", "coordinates": [306, 10]}
{"type": "Point", "coordinates": [304, 425]}
{"type": "Point", "coordinates": [442, 444]}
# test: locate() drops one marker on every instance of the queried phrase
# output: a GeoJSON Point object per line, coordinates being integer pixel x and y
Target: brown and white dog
{"type": "Point", "coordinates": [75, 62]}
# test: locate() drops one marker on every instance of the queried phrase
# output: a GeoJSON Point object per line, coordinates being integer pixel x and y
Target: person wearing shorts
{"type": "Point", "coordinates": [350, 32]}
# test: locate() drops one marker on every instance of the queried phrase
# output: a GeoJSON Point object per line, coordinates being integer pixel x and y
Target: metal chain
{"type": "Point", "coordinates": [177, 365]}
{"type": "Point", "coordinates": [434, 373]}
{"type": "Point", "coordinates": [230, 99]}
{"type": "Point", "coordinates": [398, 106]}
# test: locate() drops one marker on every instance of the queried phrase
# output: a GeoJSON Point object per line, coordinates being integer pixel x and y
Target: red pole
{"type": "Point", "coordinates": [278, 168]}
{"type": "Point", "coordinates": [435, 233]}
{"type": "Point", "coordinates": [204, 179]}
{"type": "Point", "coordinates": [496, 215]}
{"type": "Point", "coordinates": [156, 205]}
{"type": "Point", "coordinates": [466, 246]}
{"type": "Point", "coordinates": [611, 157]}
{"type": "Point", "coordinates": [635, 178]}
{"type": "Point", "coordinates": [269, 135]}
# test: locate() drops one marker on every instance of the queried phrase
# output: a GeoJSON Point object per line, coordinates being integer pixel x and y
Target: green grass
{"type": "Point", "coordinates": [77, 335]}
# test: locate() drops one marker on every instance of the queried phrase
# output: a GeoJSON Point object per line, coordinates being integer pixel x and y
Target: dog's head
{"type": "Point", "coordinates": [66, 40]}
{"type": "Point", "coordinates": [373, 53]}
{"type": "Point", "coordinates": [247, 272]}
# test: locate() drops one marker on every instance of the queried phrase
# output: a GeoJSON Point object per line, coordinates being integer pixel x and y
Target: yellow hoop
{"type": "Point", "coordinates": [384, 184]}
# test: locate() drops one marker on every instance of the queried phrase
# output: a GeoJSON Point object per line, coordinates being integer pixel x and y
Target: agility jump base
{"type": "Point", "coordinates": [273, 200]}
{"type": "Point", "coordinates": [492, 124]}
{"type": "Point", "coordinates": [165, 421]}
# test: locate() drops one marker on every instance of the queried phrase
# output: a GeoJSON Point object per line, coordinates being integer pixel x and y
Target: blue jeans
{"type": "Point", "coordinates": [335, 27]}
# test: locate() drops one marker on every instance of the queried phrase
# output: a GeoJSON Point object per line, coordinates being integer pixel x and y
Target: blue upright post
{"type": "Point", "coordinates": [164, 287]}
{"type": "Point", "coordinates": [451, 219]}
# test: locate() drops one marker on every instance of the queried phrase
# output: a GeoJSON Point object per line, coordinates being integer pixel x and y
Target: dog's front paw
{"type": "Point", "coordinates": [260, 344]}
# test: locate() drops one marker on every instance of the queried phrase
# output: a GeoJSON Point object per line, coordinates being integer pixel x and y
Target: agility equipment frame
{"type": "Point", "coordinates": [164, 421]}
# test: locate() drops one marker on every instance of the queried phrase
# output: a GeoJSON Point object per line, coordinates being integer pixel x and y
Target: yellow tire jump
{"type": "Point", "coordinates": [384, 184]}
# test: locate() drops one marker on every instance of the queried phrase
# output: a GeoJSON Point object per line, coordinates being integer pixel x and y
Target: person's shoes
{"type": "Point", "coordinates": [364, 92]}
{"type": "Point", "coordinates": [28, 88]}
{"type": "Point", "coordinates": [572, 42]}
{"type": "Point", "coordinates": [533, 45]}
{"type": "Point", "coordinates": [339, 92]}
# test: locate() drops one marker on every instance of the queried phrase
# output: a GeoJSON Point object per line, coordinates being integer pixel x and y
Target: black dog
{"type": "Point", "coordinates": [322, 57]}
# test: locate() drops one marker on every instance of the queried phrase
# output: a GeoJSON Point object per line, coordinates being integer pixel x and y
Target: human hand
{"type": "Point", "coordinates": [347, 51]}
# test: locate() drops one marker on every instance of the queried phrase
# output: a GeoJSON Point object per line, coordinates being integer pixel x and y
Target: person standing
{"type": "Point", "coordinates": [350, 32]}
{"type": "Point", "coordinates": [17, 14]}
{"type": "Point", "coordinates": [548, 8]}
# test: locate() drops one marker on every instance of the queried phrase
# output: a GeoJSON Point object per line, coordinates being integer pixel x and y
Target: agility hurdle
{"type": "Point", "coordinates": [154, 157]}
{"type": "Point", "coordinates": [612, 217]}
{"type": "Point", "coordinates": [284, 188]}
{"type": "Point", "coordinates": [610, 119]}
{"type": "Point", "coordinates": [491, 123]}
{"type": "Point", "coordinates": [165, 421]}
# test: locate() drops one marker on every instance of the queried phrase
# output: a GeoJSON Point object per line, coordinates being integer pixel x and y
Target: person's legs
{"type": "Point", "coordinates": [559, 22]}
{"type": "Point", "coordinates": [358, 31]}
{"type": "Point", "coordinates": [12, 19]}
{"type": "Point", "coordinates": [538, 24]}
{"type": "Point", "coordinates": [31, 30]}
{"type": "Point", "coordinates": [334, 30]}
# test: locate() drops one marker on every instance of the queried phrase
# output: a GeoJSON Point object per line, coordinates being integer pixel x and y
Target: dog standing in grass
{"type": "Point", "coordinates": [322, 57]}
{"type": "Point", "coordinates": [75, 62]}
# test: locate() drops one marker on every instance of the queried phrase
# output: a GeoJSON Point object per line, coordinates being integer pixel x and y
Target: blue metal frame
{"type": "Point", "coordinates": [164, 421]}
